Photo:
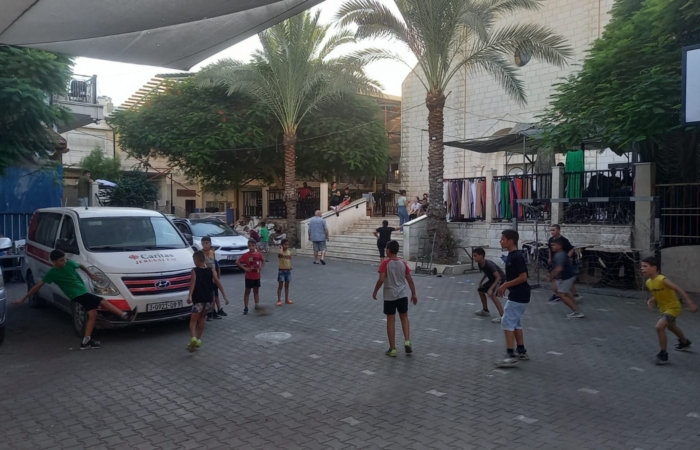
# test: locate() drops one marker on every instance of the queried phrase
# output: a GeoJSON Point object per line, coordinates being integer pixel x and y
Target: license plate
{"type": "Point", "coordinates": [163, 306]}
{"type": "Point", "coordinates": [231, 258]}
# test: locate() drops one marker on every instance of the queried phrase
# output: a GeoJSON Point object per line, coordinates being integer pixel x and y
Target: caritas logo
{"type": "Point", "coordinates": [157, 257]}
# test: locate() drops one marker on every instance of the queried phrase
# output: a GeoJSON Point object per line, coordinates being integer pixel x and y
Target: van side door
{"type": "Point", "coordinates": [41, 242]}
{"type": "Point", "coordinates": [68, 243]}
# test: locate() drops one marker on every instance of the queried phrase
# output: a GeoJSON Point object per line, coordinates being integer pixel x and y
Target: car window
{"type": "Point", "coordinates": [47, 229]}
{"type": "Point", "coordinates": [211, 228]}
{"type": "Point", "coordinates": [67, 233]}
{"type": "Point", "coordinates": [129, 234]}
{"type": "Point", "coordinates": [183, 228]}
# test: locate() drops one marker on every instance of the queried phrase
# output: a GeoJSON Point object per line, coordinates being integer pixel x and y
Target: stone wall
{"type": "Point", "coordinates": [477, 106]}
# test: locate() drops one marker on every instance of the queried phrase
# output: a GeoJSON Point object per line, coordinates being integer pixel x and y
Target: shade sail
{"type": "Point", "coordinates": [166, 33]}
{"type": "Point", "coordinates": [522, 138]}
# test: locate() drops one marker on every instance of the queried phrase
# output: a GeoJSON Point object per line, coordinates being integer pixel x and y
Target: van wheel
{"type": "Point", "coordinates": [80, 318]}
{"type": "Point", "coordinates": [35, 301]}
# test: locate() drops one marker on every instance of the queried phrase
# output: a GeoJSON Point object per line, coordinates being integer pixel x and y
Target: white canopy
{"type": "Point", "coordinates": [167, 33]}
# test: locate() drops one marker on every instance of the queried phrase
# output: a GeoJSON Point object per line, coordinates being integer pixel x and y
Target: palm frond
{"type": "Point", "coordinates": [539, 41]}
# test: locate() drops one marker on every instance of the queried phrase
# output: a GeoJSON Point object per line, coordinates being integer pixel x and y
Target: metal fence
{"type": "Point", "coordinates": [606, 185]}
{"type": "Point", "coordinates": [306, 206]}
{"type": "Point", "coordinates": [252, 203]}
{"type": "Point", "coordinates": [14, 226]}
{"type": "Point", "coordinates": [81, 89]}
{"type": "Point", "coordinates": [537, 186]}
{"type": "Point", "coordinates": [679, 214]}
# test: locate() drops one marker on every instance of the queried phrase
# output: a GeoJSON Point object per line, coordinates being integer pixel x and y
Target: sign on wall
{"type": "Point", "coordinates": [690, 105]}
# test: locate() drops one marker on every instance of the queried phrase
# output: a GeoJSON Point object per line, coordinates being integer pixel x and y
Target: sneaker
{"type": "Point", "coordinates": [575, 315]}
{"type": "Point", "coordinates": [91, 344]}
{"type": "Point", "coordinates": [391, 352]}
{"type": "Point", "coordinates": [510, 361]}
{"type": "Point", "coordinates": [483, 313]}
{"type": "Point", "coordinates": [315, 262]}
{"type": "Point", "coordinates": [578, 297]}
{"type": "Point", "coordinates": [199, 343]}
{"type": "Point", "coordinates": [245, 311]}
{"type": "Point", "coordinates": [523, 356]}
{"type": "Point", "coordinates": [496, 319]}
{"type": "Point", "coordinates": [222, 313]}
{"type": "Point", "coordinates": [323, 262]}
{"type": "Point", "coordinates": [681, 347]}
{"type": "Point", "coordinates": [554, 298]}
{"type": "Point", "coordinates": [216, 316]}
{"type": "Point", "coordinates": [407, 346]}
{"type": "Point", "coordinates": [193, 345]}
{"type": "Point", "coordinates": [661, 359]}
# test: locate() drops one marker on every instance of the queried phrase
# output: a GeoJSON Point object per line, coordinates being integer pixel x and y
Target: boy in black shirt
{"type": "Point", "coordinates": [518, 298]}
{"type": "Point", "coordinates": [495, 277]}
{"type": "Point", "coordinates": [563, 275]}
{"type": "Point", "coordinates": [555, 230]}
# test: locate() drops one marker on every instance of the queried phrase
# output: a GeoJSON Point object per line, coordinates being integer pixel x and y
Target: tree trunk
{"type": "Point", "coordinates": [290, 188]}
{"type": "Point", "coordinates": [437, 220]}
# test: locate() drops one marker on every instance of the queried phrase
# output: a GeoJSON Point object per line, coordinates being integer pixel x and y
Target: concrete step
{"type": "Point", "coordinates": [334, 257]}
{"type": "Point", "coordinates": [350, 238]}
{"type": "Point", "coordinates": [348, 254]}
{"type": "Point", "coordinates": [395, 236]}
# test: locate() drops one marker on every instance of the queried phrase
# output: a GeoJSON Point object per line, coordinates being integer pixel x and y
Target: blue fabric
{"type": "Point", "coordinates": [512, 313]}
{"type": "Point", "coordinates": [403, 215]}
{"type": "Point", "coordinates": [318, 229]}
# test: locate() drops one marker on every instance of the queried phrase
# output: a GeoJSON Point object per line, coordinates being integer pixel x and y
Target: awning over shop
{"type": "Point", "coordinates": [522, 138]}
{"type": "Point", "coordinates": [176, 34]}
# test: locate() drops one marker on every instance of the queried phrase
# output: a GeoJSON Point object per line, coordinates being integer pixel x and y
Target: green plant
{"type": "Point", "coordinates": [134, 191]}
{"type": "Point", "coordinates": [100, 166]}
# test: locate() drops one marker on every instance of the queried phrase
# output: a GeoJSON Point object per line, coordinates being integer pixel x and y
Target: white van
{"type": "Point", "coordinates": [142, 260]}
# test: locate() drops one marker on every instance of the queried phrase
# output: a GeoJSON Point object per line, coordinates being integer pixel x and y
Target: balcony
{"type": "Point", "coordinates": [81, 99]}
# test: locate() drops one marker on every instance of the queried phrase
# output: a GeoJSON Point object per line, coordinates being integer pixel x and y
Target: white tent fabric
{"type": "Point", "coordinates": [167, 33]}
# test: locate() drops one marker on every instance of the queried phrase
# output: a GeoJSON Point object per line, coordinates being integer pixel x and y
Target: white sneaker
{"type": "Point", "coordinates": [483, 313]}
{"type": "Point", "coordinates": [575, 315]}
{"type": "Point", "coordinates": [508, 362]}
{"type": "Point", "coordinates": [496, 319]}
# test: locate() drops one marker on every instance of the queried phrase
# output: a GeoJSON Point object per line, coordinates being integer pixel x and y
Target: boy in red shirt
{"type": "Point", "coordinates": [252, 263]}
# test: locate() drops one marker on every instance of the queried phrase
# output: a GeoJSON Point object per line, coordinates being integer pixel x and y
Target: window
{"type": "Point", "coordinates": [47, 228]}
{"type": "Point", "coordinates": [183, 228]}
{"type": "Point", "coordinates": [110, 234]}
{"type": "Point", "coordinates": [211, 228]}
{"type": "Point", "coordinates": [67, 234]}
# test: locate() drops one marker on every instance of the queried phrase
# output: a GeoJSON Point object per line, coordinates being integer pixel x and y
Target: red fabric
{"type": "Point", "coordinates": [382, 266]}
{"type": "Point", "coordinates": [253, 261]}
{"type": "Point", "coordinates": [519, 190]}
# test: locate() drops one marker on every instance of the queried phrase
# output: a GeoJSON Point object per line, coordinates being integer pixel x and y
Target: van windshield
{"type": "Point", "coordinates": [119, 234]}
{"type": "Point", "coordinates": [201, 228]}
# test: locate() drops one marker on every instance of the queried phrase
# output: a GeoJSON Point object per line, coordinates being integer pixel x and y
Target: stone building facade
{"type": "Point", "coordinates": [477, 106]}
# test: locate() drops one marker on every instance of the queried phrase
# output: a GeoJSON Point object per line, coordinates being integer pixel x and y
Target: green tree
{"type": "Point", "coordinates": [292, 75]}
{"type": "Point", "coordinates": [225, 141]}
{"type": "Point", "coordinates": [134, 191]}
{"type": "Point", "coordinates": [446, 37]}
{"type": "Point", "coordinates": [101, 167]}
{"type": "Point", "coordinates": [627, 96]}
{"type": "Point", "coordinates": [28, 78]}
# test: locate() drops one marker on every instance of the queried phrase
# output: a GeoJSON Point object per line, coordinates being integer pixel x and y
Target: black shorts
{"type": "Point", "coordinates": [252, 284]}
{"type": "Point", "coordinates": [400, 305]}
{"type": "Point", "coordinates": [88, 301]}
{"type": "Point", "coordinates": [486, 286]}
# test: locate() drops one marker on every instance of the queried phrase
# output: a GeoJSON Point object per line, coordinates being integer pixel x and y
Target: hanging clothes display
{"type": "Point", "coordinates": [466, 199]}
{"type": "Point", "coordinates": [573, 168]}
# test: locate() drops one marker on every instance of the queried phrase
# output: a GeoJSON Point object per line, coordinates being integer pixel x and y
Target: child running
{"type": "Point", "coordinates": [564, 275]}
{"type": "Point", "coordinates": [264, 244]}
{"type": "Point", "coordinates": [254, 263]}
{"type": "Point", "coordinates": [495, 277]}
{"type": "Point", "coordinates": [284, 275]}
{"type": "Point", "coordinates": [518, 298]}
{"type": "Point", "coordinates": [212, 263]}
{"type": "Point", "coordinates": [665, 295]}
{"type": "Point", "coordinates": [201, 297]}
{"type": "Point", "coordinates": [64, 274]}
{"type": "Point", "coordinates": [395, 275]}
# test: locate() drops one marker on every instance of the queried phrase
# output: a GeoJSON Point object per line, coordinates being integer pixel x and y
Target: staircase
{"type": "Point", "coordinates": [358, 244]}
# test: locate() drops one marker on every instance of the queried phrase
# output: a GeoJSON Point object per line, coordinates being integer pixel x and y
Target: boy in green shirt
{"type": "Point", "coordinates": [64, 274]}
{"type": "Point", "coordinates": [264, 243]}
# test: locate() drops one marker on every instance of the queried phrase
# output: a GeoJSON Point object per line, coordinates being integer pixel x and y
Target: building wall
{"type": "Point", "coordinates": [477, 106]}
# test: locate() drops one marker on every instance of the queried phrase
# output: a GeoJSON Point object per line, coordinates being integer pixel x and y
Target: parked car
{"type": "Point", "coordinates": [5, 244]}
{"type": "Point", "coordinates": [143, 262]}
{"type": "Point", "coordinates": [229, 245]}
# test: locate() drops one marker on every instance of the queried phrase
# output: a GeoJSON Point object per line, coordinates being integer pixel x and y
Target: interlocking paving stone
{"type": "Point", "coordinates": [144, 390]}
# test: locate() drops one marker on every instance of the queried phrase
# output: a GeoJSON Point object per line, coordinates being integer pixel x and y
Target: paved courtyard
{"type": "Point", "coordinates": [589, 385]}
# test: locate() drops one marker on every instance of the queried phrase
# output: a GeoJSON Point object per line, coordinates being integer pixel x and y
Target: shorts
{"type": "Point", "coordinates": [252, 284]}
{"type": "Point", "coordinates": [512, 313]}
{"type": "Point", "coordinates": [88, 301]}
{"type": "Point", "coordinates": [263, 245]}
{"type": "Point", "coordinates": [201, 307]}
{"type": "Point", "coordinates": [670, 318]}
{"type": "Point", "coordinates": [486, 286]}
{"type": "Point", "coordinates": [284, 275]}
{"type": "Point", "coordinates": [400, 305]}
{"type": "Point", "coordinates": [564, 286]}
{"type": "Point", "coordinates": [319, 246]}
{"type": "Point", "coordinates": [216, 291]}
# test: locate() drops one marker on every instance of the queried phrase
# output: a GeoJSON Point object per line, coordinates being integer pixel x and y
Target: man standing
{"type": "Point", "coordinates": [318, 235]}
{"type": "Point", "coordinates": [555, 230]}
{"type": "Point", "coordinates": [304, 192]}
{"type": "Point", "coordinates": [84, 184]}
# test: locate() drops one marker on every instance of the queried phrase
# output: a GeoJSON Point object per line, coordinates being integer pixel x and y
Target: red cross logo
{"type": "Point", "coordinates": [133, 256]}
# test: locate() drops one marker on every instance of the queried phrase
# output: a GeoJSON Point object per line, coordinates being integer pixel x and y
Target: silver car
{"type": "Point", "coordinates": [228, 244]}
{"type": "Point", "coordinates": [5, 244]}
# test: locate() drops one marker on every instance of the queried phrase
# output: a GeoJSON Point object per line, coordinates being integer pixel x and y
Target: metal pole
{"type": "Point", "coordinates": [172, 200]}
{"type": "Point", "coordinates": [386, 176]}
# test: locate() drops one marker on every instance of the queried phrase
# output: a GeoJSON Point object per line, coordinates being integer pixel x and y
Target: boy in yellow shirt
{"type": "Point", "coordinates": [665, 296]}
{"type": "Point", "coordinates": [284, 274]}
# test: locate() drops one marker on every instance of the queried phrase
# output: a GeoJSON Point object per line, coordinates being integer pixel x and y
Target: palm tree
{"type": "Point", "coordinates": [446, 37]}
{"type": "Point", "coordinates": [294, 73]}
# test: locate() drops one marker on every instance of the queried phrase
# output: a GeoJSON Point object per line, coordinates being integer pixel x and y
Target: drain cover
{"type": "Point", "coordinates": [273, 336]}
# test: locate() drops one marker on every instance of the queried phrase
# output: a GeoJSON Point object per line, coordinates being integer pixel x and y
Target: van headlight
{"type": "Point", "coordinates": [103, 286]}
